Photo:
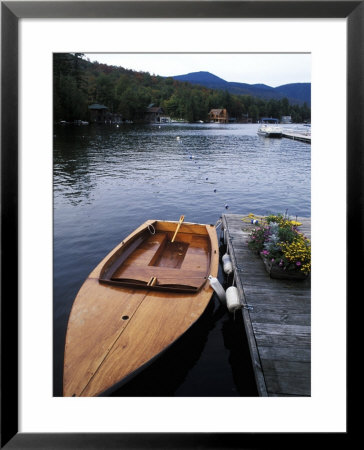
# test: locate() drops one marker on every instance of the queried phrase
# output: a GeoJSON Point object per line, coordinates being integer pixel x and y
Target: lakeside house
{"type": "Point", "coordinates": [245, 118]}
{"type": "Point", "coordinates": [98, 113]}
{"type": "Point", "coordinates": [154, 114]}
{"type": "Point", "coordinates": [101, 114]}
{"type": "Point", "coordinates": [218, 116]}
{"type": "Point", "coordinates": [286, 119]}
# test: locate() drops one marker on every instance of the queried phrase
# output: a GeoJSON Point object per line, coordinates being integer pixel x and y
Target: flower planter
{"type": "Point", "coordinates": [279, 240]}
{"type": "Point", "coordinates": [280, 274]}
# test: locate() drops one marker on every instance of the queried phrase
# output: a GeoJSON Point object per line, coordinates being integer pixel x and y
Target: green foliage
{"type": "Point", "coordinates": [257, 238]}
{"type": "Point", "coordinates": [78, 83]}
{"type": "Point", "coordinates": [69, 87]}
{"type": "Point", "coordinates": [279, 241]}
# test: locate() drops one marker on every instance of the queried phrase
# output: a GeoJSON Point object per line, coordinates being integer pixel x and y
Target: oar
{"type": "Point", "coordinates": [181, 219]}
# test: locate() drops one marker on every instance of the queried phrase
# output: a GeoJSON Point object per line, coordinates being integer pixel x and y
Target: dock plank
{"type": "Point", "coordinates": [265, 315]}
{"type": "Point", "coordinates": [285, 353]}
{"type": "Point", "coordinates": [276, 313]}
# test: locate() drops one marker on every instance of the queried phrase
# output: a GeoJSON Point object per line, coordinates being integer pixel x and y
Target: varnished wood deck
{"type": "Point", "coordinates": [278, 317]}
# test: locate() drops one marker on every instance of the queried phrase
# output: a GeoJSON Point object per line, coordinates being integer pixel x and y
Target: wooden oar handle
{"type": "Point", "coordinates": [181, 219]}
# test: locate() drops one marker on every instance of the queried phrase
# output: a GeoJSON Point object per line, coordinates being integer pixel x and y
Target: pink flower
{"type": "Point", "coordinates": [298, 263]}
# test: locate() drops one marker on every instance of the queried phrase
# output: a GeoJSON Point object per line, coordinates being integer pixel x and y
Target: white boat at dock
{"type": "Point", "coordinates": [270, 130]}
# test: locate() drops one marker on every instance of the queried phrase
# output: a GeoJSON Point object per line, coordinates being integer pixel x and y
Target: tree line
{"type": "Point", "coordinates": [78, 83]}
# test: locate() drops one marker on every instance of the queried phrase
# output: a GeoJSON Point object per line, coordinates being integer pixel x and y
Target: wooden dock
{"type": "Point", "coordinates": [303, 137]}
{"type": "Point", "coordinates": [276, 313]}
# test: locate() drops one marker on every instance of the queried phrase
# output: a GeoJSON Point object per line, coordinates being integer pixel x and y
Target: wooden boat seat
{"type": "Point", "coordinates": [181, 265]}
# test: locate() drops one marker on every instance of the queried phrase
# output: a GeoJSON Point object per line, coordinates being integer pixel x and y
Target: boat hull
{"type": "Point", "coordinates": [271, 131]}
{"type": "Point", "coordinates": [120, 323]}
{"type": "Point", "coordinates": [270, 135]}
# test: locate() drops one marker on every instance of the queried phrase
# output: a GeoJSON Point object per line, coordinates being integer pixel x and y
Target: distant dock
{"type": "Point", "coordinates": [297, 136]}
{"type": "Point", "coordinates": [276, 313]}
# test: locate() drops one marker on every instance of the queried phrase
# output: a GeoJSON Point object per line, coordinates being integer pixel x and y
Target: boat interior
{"type": "Point", "coordinates": [151, 260]}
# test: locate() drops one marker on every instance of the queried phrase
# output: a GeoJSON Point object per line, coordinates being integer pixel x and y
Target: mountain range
{"type": "Point", "coordinates": [296, 93]}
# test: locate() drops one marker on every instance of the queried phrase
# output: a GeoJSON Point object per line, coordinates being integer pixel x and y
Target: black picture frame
{"type": "Point", "coordinates": [11, 12]}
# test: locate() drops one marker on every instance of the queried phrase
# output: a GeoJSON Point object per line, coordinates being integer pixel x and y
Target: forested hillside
{"type": "Point", "coordinates": [78, 83]}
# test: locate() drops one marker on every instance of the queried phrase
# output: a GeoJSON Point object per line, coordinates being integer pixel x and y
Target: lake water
{"type": "Point", "coordinates": [108, 180]}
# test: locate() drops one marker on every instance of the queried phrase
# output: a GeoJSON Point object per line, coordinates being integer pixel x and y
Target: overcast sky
{"type": "Point", "coordinates": [271, 69]}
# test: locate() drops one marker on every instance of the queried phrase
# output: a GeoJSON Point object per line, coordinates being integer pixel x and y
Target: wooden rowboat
{"type": "Point", "coordinates": [142, 297]}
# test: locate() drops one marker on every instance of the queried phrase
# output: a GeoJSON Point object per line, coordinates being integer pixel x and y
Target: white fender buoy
{"type": "Point", "coordinates": [232, 299]}
{"type": "Point", "coordinates": [227, 264]}
{"type": "Point", "coordinates": [216, 286]}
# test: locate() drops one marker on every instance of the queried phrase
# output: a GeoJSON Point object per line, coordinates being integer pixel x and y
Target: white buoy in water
{"type": "Point", "coordinates": [227, 264]}
{"type": "Point", "coordinates": [232, 299]}
{"type": "Point", "coordinates": [216, 286]}
{"type": "Point", "coordinates": [178, 138]}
